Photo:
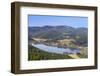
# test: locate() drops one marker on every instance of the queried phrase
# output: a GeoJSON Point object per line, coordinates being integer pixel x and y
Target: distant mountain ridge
{"type": "Point", "coordinates": [55, 30]}
{"type": "Point", "coordinates": [59, 32]}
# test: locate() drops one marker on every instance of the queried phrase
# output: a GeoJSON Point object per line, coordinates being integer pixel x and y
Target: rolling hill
{"type": "Point", "coordinates": [60, 32]}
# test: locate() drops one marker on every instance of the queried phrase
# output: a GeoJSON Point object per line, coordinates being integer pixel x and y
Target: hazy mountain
{"type": "Point", "coordinates": [59, 32]}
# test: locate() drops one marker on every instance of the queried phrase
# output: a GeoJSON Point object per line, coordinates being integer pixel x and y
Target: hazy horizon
{"type": "Point", "coordinates": [56, 26]}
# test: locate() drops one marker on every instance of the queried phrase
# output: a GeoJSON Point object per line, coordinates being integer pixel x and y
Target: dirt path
{"type": "Point", "coordinates": [75, 56]}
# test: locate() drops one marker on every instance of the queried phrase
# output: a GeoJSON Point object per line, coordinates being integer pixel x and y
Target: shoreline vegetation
{"type": "Point", "coordinates": [38, 54]}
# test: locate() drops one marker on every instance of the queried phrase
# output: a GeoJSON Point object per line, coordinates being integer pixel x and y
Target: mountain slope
{"type": "Point", "coordinates": [60, 32]}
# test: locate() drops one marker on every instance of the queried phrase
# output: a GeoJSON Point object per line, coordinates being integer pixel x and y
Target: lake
{"type": "Point", "coordinates": [57, 50]}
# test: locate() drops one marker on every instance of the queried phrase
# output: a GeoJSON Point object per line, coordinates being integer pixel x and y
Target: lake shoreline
{"type": "Point", "coordinates": [63, 43]}
{"type": "Point", "coordinates": [54, 49]}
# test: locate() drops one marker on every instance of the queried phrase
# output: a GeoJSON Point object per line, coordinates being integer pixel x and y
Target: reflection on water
{"type": "Point", "coordinates": [58, 50]}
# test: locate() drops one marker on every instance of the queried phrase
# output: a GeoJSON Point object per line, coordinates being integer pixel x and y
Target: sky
{"type": "Point", "coordinates": [43, 20]}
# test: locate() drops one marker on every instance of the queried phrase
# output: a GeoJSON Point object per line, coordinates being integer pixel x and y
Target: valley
{"type": "Point", "coordinates": [58, 42]}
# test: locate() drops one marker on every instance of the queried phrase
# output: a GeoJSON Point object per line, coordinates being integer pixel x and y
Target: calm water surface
{"type": "Point", "coordinates": [57, 50]}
